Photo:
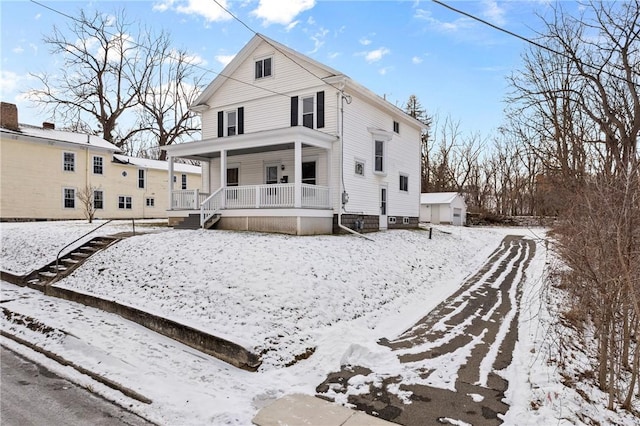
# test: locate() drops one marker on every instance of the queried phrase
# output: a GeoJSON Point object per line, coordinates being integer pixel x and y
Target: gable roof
{"type": "Point", "coordinates": [336, 79]}
{"type": "Point", "coordinates": [437, 197]}
{"type": "Point", "coordinates": [157, 164]}
{"type": "Point", "coordinates": [81, 139]}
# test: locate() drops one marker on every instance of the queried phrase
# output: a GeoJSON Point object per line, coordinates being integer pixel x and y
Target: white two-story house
{"type": "Point", "coordinates": [291, 145]}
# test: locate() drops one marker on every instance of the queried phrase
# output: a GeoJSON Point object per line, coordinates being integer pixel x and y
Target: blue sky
{"type": "Point", "coordinates": [454, 65]}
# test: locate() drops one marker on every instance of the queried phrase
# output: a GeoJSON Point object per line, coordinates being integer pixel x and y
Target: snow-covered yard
{"type": "Point", "coordinates": [280, 295]}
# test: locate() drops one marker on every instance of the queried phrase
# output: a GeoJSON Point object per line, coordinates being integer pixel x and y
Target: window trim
{"type": "Point", "coordinates": [123, 205]}
{"type": "Point", "coordinates": [261, 60]}
{"type": "Point", "coordinates": [227, 124]}
{"type": "Point", "coordinates": [406, 176]}
{"type": "Point", "coordinates": [101, 158]}
{"type": "Point", "coordinates": [312, 113]}
{"type": "Point", "coordinates": [150, 202]}
{"type": "Point", "coordinates": [363, 163]}
{"type": "Point", "coordinates": [64, 197]}
{"type": "Point", "coordinates": [142, 180]}
{"type": "Point", "coordinates": [101, 199]}
{"type": "Point", "coordinates": [73, 162]}
{"type": "Point", "coordinates": [379, 135]}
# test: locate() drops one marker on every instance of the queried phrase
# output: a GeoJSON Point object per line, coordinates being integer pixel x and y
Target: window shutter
{"type": "Point", "coordinates": [241, 120]}
{"type": "Point", "coordinates": [220, 124]}
{"type": "Point", "coordinates": [320, 109]}
{"type": "Point", "coordinates": [294, 111]}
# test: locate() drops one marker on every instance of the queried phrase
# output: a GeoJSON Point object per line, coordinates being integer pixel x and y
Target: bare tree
{"type": "Point", "coordinates": [87, 198]}
{"type": "Point", "coordinates": [414, 108]}
{"type": "Point", "coordinates": [120, 81]}
{"type": "Point", "coordinates": [577, 106]}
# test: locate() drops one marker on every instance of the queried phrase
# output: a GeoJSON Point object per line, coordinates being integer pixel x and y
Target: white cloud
{"type": "Point", "coordinates": [318, 39]}
{"type": "Point", "coordinates": [291, 26]}
{"type": "Point", "coordinates": [333, 55]}
{"type": "Point", "coordinates": [9, 82]}
{"type": "Point", "coordinates": [281, 11]}
{"type": "Point", "coordinates": [34, 47]}
{"type": "Point", "coordinates": [38, 16]}
{"type": "Point", "coordinates": [493, 12]}
{"type": "Point", "coordinates": [385, 70]}
{"type": "Point", "coordinates": [17, 49]}
{"type": "Point", "coordinates": [443, 26]}
{"type": "Point", "coordinates": [364, 41]}
{"type": "Point", "coordinates": [207, 9]}
{"type": "Point", "coordinates": [416, 60]}
{"type": "Point", "coordinates": [224, 59]}
{"type": "Point", "coordinates": [375, 55]}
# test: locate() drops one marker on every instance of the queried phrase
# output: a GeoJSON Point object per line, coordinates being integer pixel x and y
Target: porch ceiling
{"type": "Point", "coordinates": [271, 140]}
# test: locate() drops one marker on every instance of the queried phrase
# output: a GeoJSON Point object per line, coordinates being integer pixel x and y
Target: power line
{"type": "Point", "coordinates": [208, 70]}
{"type": "Point", "coordinates": [272, 45]}
{"type": "Point", "coordinates": [529, 41]}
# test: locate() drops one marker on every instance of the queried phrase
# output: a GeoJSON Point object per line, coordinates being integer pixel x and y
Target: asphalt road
{"type": "Point", "coordinates": [32, 395]}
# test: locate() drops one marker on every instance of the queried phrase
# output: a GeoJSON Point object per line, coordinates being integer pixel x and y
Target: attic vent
{"type": "Point", "coordinates": [47, 125]}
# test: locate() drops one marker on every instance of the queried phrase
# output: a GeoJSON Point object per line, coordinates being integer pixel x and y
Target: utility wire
{"type": "Point", "coordinates": [274, 46]}
{"type": "Point", "coordinates": [208, 70]}
{"type": "Point", "coordinates": [529, 41]}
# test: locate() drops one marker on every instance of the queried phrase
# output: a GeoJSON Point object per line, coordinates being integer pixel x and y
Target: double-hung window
{"type": "Point", "coordinates": [307, 111]}
{"type": "Point", "coordinates": [69, 198]}
{"type": "Point", "coordinates": [141, 178]}
{"type": "Point", "coordinates": [232, 122]}
{"type": "Point", "coordinates": [98, 200]}
{"type": "Point", "coordinates": [379, 159]}
{"type": "Point", "coordinates": [69, 161]}
{"type": "Point", "coordinates": [263, 68]}
{"type": "Point", "coordinates": [404, 182]}
{"type": "Point", "coordinates": [124, 202]}
{"type": "Point", "coordinates": [98, 165]}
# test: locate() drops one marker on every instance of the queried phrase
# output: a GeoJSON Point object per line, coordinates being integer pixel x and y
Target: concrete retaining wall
{"type": "Point", "coordinates": [220, 348]}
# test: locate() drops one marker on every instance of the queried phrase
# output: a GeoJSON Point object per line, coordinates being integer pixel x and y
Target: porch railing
{"type": "Point", "coordinates": [210, 206]}
{"type": "Point", "coordinates": [280, 195]}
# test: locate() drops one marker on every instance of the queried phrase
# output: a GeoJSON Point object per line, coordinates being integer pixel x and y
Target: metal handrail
{"type": "Point", "coordinates": [76, 240]}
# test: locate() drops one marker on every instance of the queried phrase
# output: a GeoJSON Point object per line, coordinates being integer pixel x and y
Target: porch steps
{"type": "Point", "coordinates": [67, 263]}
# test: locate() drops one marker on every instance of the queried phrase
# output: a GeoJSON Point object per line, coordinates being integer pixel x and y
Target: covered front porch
{"type": "Point", "coordinates": [274, 181]}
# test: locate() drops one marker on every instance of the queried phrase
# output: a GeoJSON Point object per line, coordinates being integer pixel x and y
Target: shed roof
{"type": "Point", "coordinates": [157, 164]}
{"type": "Point", "coordinates": [437, 197]}
{"type": "Point", "coordinates": [63, 136]}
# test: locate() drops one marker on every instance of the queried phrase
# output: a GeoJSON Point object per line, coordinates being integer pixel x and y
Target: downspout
{"type": "Point", "coordinates": [343, 193]}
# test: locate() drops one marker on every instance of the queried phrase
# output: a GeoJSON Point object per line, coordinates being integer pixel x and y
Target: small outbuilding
{"type": "Point", "coordinates": [443, 208]}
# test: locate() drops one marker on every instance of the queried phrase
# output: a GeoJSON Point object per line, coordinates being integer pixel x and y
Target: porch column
{"type": "Point", "coordinates": [297, 202]}
{"type": "Point", "coordinates": [329, 154]}
{"type": "Point", "coordinates": [223, 176]}
{"type": "Point", "coordinates": [206, 176]}
{"type": "Point", "coordinates": [170, 186]}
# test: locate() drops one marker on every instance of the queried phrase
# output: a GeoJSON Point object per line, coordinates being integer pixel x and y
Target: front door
{"type": "Point", "coordinates": [383, 207]}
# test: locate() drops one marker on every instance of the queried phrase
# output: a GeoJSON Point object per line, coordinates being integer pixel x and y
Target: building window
{"type": "Point", "coordinates": [98, 163]}
{"type": "Point", "coordinates": [271, 174]}
{"type": "Point", "coordinates": [233, 176]}
{"type": "Point", "coordinates": [124, 202]}
{"type": "Point", "coordinates": [184, 182]}
{"type": "Point", "coordinates": [232, 122]}
{"type": "Point", "coordinates": [404, 183]}
{"type": "Point", "coordinates": [359, 170]}
{"type": "Point", "coordinates": [175, 179]}
{"type": "Point", "coordinates": [392, 219]}
{"type": "Point", "coordinates": [69, 161]}
{"type": "Point", "coordinates": [405, 220]}
{"type": "Point", "coordinates": [309, 172]}
{"type": "Point", "coordinates": [379, 156]}
{"type": "Point", "coordinates": [307, 112]}
{"type": "Point", "coordinates": [396, 127]}
{"type": "Point", "coordinates": [141, 178]}
{"type": "Point", "coordinates": [263, 68]}
{"type": "Point", "coordinates": [98, 200]}
{"type": "Point", "coordinates": [150, 201]}
{"type": "Point", "coordinates": [69, 195]}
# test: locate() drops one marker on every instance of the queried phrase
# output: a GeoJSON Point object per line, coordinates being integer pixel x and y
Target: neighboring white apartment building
{"type": "Point", "coordinates": [290, 145]}
{"type": "Point", "coordinates": [44, 171]}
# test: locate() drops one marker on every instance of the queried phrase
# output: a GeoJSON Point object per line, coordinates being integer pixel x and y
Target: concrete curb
{"type": "Point", "coordinates": [60, 360]}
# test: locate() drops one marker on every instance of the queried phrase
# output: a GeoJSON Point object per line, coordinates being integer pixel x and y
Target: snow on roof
{"type": "Point", "coordinates": [157, 164]}
{"type": "Point", "coordinates": [64, 136]}
{"type": "Point", "coordinates": [437, 197]}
